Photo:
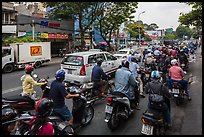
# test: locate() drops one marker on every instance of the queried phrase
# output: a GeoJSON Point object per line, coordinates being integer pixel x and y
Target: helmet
{"type": "Point", "coordinates": [44, 107]}
{"type": "Point", "coordinates": [174, 62]}
{"type": "Point", "coordinates": [60, 74]}
{"type": "Point", "coordinates": [99, 61]}
{"type": "Point", "coordinates": [29, 69]}
{"type": "Point", "coordinates": [155, 74]}
{"type": "Point", "coordinates": [8, 113]}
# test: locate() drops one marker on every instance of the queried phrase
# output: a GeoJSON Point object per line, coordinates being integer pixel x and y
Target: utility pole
{"type": "Point", "coordinates": [33, 27]}
{"type": "Point", "coordinates": [139, 27]}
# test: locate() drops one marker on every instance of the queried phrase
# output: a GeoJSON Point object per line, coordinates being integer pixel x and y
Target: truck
{"type": "Point", "coordinates": [19, 55]}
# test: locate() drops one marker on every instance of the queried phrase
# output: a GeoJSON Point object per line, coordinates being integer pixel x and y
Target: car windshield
{"type": "Point", "coordinates": [73, 60]}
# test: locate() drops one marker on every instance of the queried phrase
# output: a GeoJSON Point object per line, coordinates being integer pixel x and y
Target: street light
{"type": "Point", "coordinates": [139, 27]}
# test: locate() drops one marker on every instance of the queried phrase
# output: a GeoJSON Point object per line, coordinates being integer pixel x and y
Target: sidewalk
{"type": "Point", "coordinates": [55, 60]}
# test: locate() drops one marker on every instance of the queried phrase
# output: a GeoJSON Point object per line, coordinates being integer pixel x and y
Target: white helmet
{"type": "Point", "coordinates": [174, 62]}
{"type": "Point", "coordinates": [155, 74]}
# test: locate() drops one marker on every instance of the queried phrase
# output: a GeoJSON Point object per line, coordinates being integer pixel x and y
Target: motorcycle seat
{"type": "Point", "coordinates": [18, 99]}
{"type": "Point", "coordinates": [117, 93]}
{"type": "Point", "coordinates": [155, 114]}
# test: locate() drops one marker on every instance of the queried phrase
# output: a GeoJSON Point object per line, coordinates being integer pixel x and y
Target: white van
{"type": "Point", "coordinates": [78, 66]}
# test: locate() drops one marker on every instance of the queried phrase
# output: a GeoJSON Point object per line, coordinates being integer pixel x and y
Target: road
{"type": "Point", "coordinates": [184, 117]}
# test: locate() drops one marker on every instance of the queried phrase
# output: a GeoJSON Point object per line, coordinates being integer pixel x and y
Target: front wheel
{"type": "Point", "coordinates": [88, 115]}
{"type": "Point", "coordinates": [8, 68]}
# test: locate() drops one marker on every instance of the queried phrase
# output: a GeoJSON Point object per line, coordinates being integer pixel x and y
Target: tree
{"type": "Point", "coordinates": [182, 31]}
{"type": "Point", "coordinates": [170, 36]}
{"type": "Point", "coordinates": [194, 17]}
{"type": "Point", "coordinates": [85, 12]}
{"type": "Point", "coordinates": [114, 14]}
{"type": "Point", "coordinates": [133, 29]}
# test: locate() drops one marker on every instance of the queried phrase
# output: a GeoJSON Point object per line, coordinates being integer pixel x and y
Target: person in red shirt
{"type": "Point", "coordinates": [40, 124]}
{"type": "Point", "coordinates": [174, 52]}
{"type": "Point", "coordinates": [176, 74]}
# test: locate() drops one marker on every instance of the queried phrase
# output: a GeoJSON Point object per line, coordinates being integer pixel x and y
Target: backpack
{"type": "Point", "coordinates": [156, 101]}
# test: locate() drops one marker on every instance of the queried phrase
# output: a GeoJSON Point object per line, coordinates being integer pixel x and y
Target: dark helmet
{"type": "Point", "coordinates": [8, 113]}
{"type": "Point", "coordinates": [60, 74]}
{"type": "Point", "coordinates": [99, 62]}
{"type": "Point", "coordinates": [44, 107]}
{"type": "Point", "coordinates": [126, 64]}
{"type": "Point", "coordinates": [29, 69]}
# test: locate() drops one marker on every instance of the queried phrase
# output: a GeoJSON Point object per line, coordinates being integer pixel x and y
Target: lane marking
{"type": "Point", "coordinates": [20, 87]}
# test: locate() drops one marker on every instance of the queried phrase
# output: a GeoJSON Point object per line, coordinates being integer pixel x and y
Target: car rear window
{"type": "Point", "coordinates": [73, 60]}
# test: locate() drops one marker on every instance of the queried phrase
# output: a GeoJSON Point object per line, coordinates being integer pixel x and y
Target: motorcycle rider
{"type": "Point", "coordinates": [155, 85]}
{"type": "Point", "coordinates": [96, 77]}
{"type": "Point", "coordinates": [40, 124]}
{"type": "Point", "coordinates": [58, 93]}
{"type": "Point", "coordinates": [28, 82]}
{"type": "Point", "coordinates": [134, 68]}
{"type": "Point", "coordinates": [183, 57]}
{"type": "Point", "coordinates": [126, 83]}
{"type": "Point", "coordinates": [176, 74]}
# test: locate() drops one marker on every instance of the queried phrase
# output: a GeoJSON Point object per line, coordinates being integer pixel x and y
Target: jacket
{"type": "Point", "coordinates": [125, 82]}
{"type": "Point", "coordinates": [28, 82]}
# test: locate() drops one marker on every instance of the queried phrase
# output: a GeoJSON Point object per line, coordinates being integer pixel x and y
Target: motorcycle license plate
{"type": "Point", "coordinates": [109, 109]}
{"type": "Point", "coordinates": [175, 91]}
{"type": "Point", "coordinates": [147, 75]}
{"type": "Point", "coordinates": [62, 125]}
{"type": "Point", "coordinates": [183, 65]}
{"type": "Point", "coordinates": [147, 129]}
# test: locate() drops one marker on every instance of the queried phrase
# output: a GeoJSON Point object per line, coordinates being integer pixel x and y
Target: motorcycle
{"type": "Point", "coordinates": [178, 93]}
{"type": "Point", "coordinates": [82, 110]}
{"type": "Point", "coordinates": [90, 91]}
{"type": "Point", "coordinates": [117, 109]}
{"type": "Point", "coordinates": [20, 125]}
{"type": "Point", "coordinates": [153, 122]}
{"type": "Point", "coordinates": [25, 103]}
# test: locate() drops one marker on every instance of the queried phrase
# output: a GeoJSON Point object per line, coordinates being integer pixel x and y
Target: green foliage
{"type": "Point", "coordinates": [20, 40]}
{"type": "Point", "coordinates": [183, 31]}
{"type": "Point", "coordinates": [114, 14]}
{"type": "Point", "coordinates": [194, 17]}
{"type": "Point", "coordinates": [170, 37]}
{"type": "Point", "coordinates": [133, 29]}
{"type": "Point", "coordinates": [85, 12]}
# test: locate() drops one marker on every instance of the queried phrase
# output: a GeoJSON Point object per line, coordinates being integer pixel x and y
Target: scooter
{"type": "Point", "coordinates": [24, 103]}
{"type": "Point", "coordinates": [178, 93]}
{"type": "Point", "coordinates": [117, 109]}
{"type": "Point", "coordinates": [82, 110]}
{"type": "Point", "coordinates": [153, 123]}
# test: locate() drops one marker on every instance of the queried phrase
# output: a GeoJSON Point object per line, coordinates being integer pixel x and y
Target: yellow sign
{"type": "Point", "coordinates": [35, 50]}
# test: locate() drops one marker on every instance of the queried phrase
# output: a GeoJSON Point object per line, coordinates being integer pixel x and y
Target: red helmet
{"type": "Point", "coordinates": [29, 69]}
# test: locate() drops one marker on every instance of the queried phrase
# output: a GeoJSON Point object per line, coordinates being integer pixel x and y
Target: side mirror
{"type": "Point", "coordinates": [48, 77]}
{"type": "Point", "coordinates": [35, 75]}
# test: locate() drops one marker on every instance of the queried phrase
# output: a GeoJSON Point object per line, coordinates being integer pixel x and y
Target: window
{"type": "Point", "coordinates": [92, 59]}
{"type": "Point", "coordinates": [6, 52]}
{"type": "Point", "coordinates": [101, 56]}
{"type": "Point", "coordinates": [110, 57]}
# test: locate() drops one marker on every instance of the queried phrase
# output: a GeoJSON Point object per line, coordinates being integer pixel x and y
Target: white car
{"type": "Point", "coordinates": [78, 66]}
{"type": "Point", "coordinates": [124, 53]}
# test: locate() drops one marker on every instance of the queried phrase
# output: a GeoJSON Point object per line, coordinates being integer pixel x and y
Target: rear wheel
{"type": "Point", "coordinates": [113, 123]}
{"type": "Point", "coordinates": [37, 64]}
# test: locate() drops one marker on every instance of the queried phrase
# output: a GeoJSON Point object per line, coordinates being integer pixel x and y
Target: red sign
{"type": "Point", "coordinates": [53, 24]}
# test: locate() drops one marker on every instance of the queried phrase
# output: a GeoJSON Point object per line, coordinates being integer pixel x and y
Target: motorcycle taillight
{"type": "Point", "coordinates": [146, 121]}
{"type": "Point", "coordinates": [110, 99]}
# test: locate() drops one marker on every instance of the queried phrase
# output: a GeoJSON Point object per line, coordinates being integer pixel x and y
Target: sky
{"type": "Point", "coordinates": [164, 14]}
